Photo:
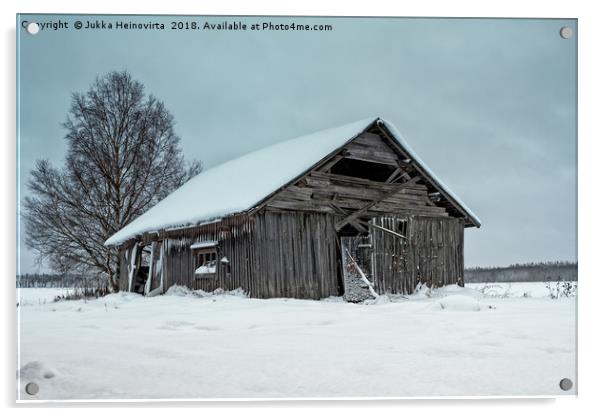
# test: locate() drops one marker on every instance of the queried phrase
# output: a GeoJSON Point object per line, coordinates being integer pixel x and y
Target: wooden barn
{"type": "Point", "coordinates": [337, 212]}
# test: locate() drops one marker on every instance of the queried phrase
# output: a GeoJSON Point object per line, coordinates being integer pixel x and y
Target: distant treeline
{"type": "Point", "coordinates": [527, 272]}
{"type": "Point", "coordinates": [58, 280]}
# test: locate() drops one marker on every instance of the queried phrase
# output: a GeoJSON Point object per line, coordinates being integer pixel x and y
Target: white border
{"type": "Point", "coordinates": [590, 136]}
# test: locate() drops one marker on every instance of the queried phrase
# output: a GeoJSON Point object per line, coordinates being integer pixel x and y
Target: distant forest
{"type": "Point", "coordinates": [58, 280]}
{"type": "Point", "coordinates": [527, 272]}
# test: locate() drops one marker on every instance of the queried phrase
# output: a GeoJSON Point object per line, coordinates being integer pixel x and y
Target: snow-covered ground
{"type": "Point", "coordinates": [518, 289]}
{"type": "Point", "coordinates": [452, 341]}
{"type": "Point", "coordinates": [39, 295]}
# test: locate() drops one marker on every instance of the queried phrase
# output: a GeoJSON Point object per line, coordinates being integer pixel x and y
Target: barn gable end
{"type": "Point", "coordinates": [368, 174]}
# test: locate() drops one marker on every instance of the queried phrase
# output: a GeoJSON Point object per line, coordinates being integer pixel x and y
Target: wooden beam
{"type": "Point", "coordinates": [387, 230]}
{"type": "Point", "coordinates": [370, 155]}
{"type": "Point", "coordinates": [394, 175]}
{"type": "Point", "coordinates": [367, 207]}
{"type": "Point", "coordinates": [337, 209]}
{"type": "Point", "coordinates": [299, 206]}
{"type": "Point", "coordinates": [327, 179]}
{"type": "Point", "coordinates": [322, 194]}
{"type": "Point", "coordinates": [358, 226]}
{"type": "Point", "coordinates": [326, 167]}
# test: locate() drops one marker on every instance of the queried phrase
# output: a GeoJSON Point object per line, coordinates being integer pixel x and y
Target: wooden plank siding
{"type": "Point", "coordinates": [318, 191]}
{"type": "Point", "coordinates": [234, 243]}
{"type": "Point", "coordinates": [432, 253]}
{"type": "Point", "coordinates": [270, 254]}
{"type": "Point", "coordinates": [296, 255]}
{"type": "Point", "coordinates": [370, 148]}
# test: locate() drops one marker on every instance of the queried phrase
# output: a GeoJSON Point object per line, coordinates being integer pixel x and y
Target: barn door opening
{"type": "Point", "coordinates": [154, 281]}
{"type": "Point", "coordinates": [358, 275]}
{"type": "Point", "coordinates": [146, 269]}
{"type": "Point", "coordinates": [141, 270]}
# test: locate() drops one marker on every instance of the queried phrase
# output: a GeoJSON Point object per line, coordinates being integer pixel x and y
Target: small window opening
{"type": "Point", "coordinates": [364, 170]}
{"type": "Point", "coordinates": [205, 262]}
{"type": "Point", "coordinates": [402, 227]}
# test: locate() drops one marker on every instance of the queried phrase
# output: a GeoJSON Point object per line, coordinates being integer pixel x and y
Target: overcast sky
{"type": "Point", "coordinates": [489, 105]}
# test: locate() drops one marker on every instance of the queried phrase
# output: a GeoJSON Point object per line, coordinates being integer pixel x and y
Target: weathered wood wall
{"type": "Point", "coordinates": [320, 191]}
{"type": "Point", "coordinates": [234, 236]}
{"type": "Point", "coordinates": [272, 254]}
{"type": "Point", "coordinates": [296, 255]}
{"type": "Point", "coordinates": [433, 252]}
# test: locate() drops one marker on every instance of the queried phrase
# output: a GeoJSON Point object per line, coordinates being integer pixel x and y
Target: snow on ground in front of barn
{"type": "Point", "coordinates": [453, 341]}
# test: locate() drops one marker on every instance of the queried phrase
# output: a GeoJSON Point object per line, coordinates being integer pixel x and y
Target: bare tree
{"type": "Point", "coordinates": [123, 157]}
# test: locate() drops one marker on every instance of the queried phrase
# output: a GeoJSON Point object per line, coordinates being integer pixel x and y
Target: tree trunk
{"type": "Point", "coordinates": [113, 281]}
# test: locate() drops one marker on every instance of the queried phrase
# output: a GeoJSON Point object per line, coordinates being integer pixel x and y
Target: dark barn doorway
{"type": "Point", "coordinates": [355, 253]}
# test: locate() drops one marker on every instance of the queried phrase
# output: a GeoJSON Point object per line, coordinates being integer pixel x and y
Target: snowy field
{"type": "Point", "coordinates": [39, 295]}
{"type": "Point", "coordinates": [493, 340]}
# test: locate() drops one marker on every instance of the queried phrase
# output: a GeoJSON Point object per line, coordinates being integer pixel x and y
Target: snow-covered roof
{"type": "Point", "coordinates": [240, 184]}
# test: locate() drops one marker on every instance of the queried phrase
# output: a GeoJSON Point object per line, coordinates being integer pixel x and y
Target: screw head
{"type": "Point", "coordinates": [566, 384]}
{"type": "Point", "coordinates": [33, 28]}
{"type": "Point", "coordinates": [32, 388]}
{"type": "Point", "coordinates": [566, 32]}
